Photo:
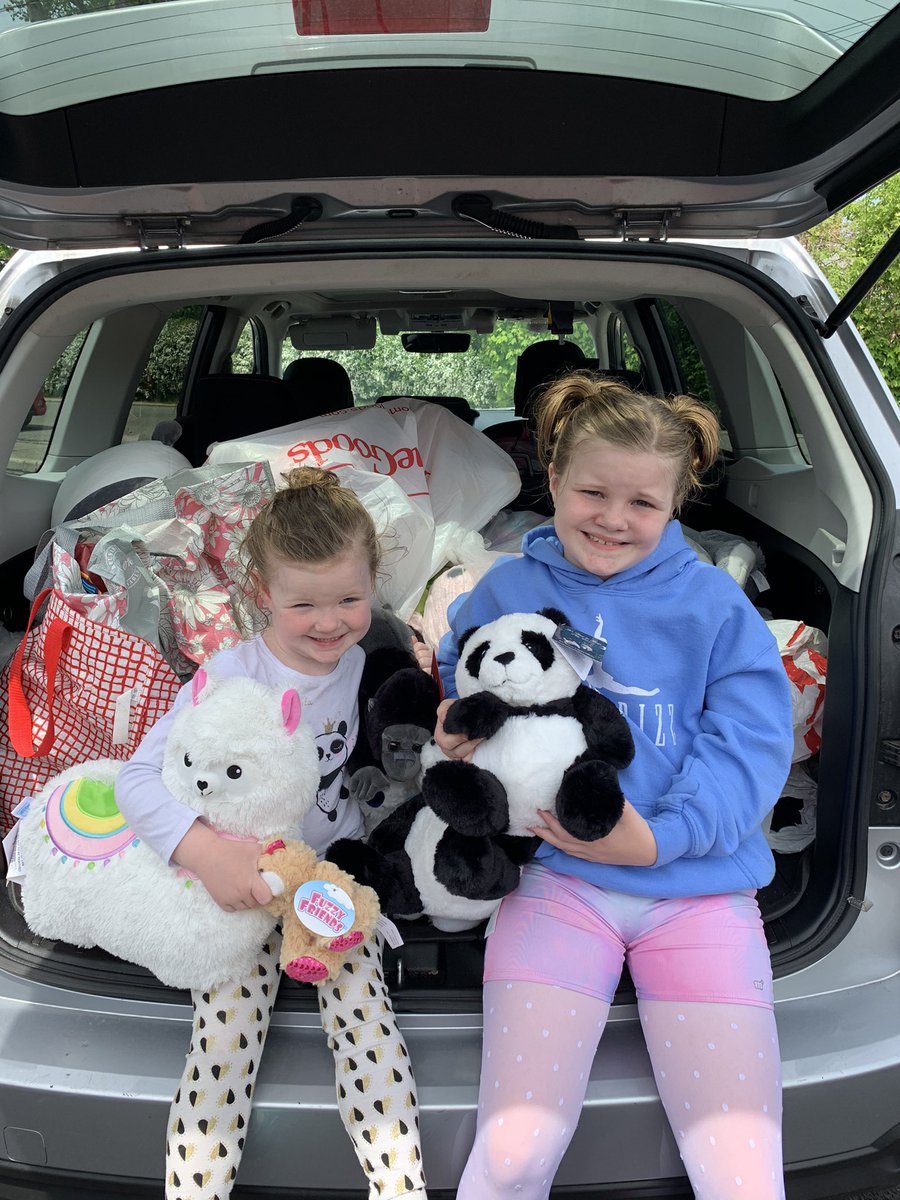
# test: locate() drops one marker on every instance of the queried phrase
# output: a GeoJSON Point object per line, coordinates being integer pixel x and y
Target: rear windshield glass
{"type": "Point", "coordinates": [59, 52]}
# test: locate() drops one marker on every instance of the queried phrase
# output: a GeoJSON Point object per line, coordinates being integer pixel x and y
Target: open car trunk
{"type": "Point", "coordinates": [816, 562]}
{"type": "Point", "coordinates": [799, 478]}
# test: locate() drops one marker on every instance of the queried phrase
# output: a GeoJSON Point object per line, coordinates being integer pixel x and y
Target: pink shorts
{"type": "Point", "coordinates": [560, 930]}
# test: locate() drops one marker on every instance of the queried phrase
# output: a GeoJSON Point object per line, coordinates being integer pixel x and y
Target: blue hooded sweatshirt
{"type": "Point", "coordinates": [693, 667]}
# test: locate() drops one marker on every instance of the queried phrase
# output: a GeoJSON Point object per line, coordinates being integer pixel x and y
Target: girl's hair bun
{"type": "Point", "coordinates": [302, 477]}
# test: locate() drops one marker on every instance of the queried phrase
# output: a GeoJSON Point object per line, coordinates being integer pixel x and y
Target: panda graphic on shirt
{"type": "Point", "coordinates": [334, 750]}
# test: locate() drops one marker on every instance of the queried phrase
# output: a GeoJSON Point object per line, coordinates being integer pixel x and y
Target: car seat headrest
{"type": "Point", "coordinates": [317, 386]}
{"type": "Point", "coordinates": [538, 365]}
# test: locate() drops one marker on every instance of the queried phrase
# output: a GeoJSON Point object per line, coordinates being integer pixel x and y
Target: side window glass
{"type": "Point", "coordinates": [31, 445]}
{"type": "Point", "coordinates": [245, 355]}
{"type": "Point", "coordinates": [690, 364]}
{"type": "Point", "coordinates": [162, 384]}
{"type": "Point", "coordinates": [622, 350]}
{"type": "Point", "coordinates": [631, 360]}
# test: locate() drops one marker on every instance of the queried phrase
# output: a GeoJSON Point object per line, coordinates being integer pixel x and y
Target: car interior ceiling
{"type": "Point", "coordinates": [800, 586]}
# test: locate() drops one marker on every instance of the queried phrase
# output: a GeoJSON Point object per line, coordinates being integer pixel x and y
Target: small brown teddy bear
{"type": "Point", "coordinates": [324, 911]}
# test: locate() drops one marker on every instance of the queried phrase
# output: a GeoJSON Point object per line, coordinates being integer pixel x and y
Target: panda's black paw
{"type": "Point", "coordinates": [477, 716]}
{"type": "Point", "coordinates": [590, 803]}
{"type": "Point", "coordinates": [473, 867]}
{"type": "Point", "coordinates": [467, 798]}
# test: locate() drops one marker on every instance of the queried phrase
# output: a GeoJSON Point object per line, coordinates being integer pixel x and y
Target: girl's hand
{"type": "Point", "coordinates": [630, 844]}
{"type": "Point", "coordinates": [454, 745]}
{"type": "Point", "coordinates": [228, 870]}
{"type": "Point", "coordinates": [423, 653]}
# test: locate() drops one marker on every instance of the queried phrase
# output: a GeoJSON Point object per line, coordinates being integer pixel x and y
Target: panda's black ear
{"type": "Point", "coordinates": [463, 638]}
{"type": "Point", "coordinates": [554, 614]}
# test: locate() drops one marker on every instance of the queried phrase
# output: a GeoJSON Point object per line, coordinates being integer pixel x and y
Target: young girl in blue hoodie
{"type": "Point", "coordinates": [671, 891]}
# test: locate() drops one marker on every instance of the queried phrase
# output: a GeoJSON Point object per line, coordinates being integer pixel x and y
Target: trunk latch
{"type": "Point", "coordinates": [160, 233]}
{"type": "Point", "coordinates": [651, 224]}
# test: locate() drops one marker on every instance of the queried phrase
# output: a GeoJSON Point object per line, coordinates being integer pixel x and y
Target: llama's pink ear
{"type": "Point", "coordinates": [290, 710]}
{"type": "Point", "coordinates": [198, 683]}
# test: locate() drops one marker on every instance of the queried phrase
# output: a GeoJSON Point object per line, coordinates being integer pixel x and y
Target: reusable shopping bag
{"type": "Point", "coordinates": [74, 689]}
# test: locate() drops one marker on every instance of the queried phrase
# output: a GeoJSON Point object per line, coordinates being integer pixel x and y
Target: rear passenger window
{"type": "Point", "coordinates": [621, 349]}
{"type": "Point", "coordinates": [689, 364]}
{"type": "Point", "coordinates": [31, 445]}
{"type": "Point", "coordinates": [246, 357]}
{"type": "Point", "coordinates": [162, 383]}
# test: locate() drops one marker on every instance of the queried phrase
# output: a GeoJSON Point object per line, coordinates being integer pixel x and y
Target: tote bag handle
{"type": "Point", "coordinates": [21, 720]}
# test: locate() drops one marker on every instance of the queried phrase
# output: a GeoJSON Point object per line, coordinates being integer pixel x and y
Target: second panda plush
{"type": "Point", "coordinates": [550, 742]}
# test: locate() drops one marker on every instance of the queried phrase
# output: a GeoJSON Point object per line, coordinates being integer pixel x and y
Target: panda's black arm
{"type": "Point", "coordinates": [478, 716]}
{"type": "Point", "coordinates": [605, 729]}
{"type": "Point", "coordinates": [382, 863]}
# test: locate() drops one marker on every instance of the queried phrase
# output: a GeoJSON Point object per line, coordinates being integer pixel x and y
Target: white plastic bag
{"type": "Point", "coordinates": [804, 652]}
{"type": "Point", "coordinates": [740, 559]}
{"type": "Point", "coordinates": [406, 532]}
{"type": "Point", "coordinates": [469, 478]}
{"type": "Point", "coordinates": [504, 532]}
{"type": "Point", "coordinates": [366, 439]}
{"type": "Point", "coordinates": [792, 837]}
{"type": "Point", "coordinates": [440, 479]}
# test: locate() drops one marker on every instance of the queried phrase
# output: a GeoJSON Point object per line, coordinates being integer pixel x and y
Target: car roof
{"type": "Point", "coordinates": [652, 117]}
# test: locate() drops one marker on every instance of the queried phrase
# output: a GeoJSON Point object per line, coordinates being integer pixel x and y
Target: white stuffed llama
{"type": "Point", "coordinates": [240, 756]}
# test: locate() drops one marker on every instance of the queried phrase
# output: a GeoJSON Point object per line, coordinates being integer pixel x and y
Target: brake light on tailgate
{"type": "Point", "coordinates": [327, 18]}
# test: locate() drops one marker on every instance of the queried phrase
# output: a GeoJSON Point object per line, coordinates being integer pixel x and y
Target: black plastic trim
{"type": "Point", "coordinates": [877, 1167]}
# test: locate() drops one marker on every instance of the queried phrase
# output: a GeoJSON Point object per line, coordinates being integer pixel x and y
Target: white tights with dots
{"type": "Point", "coordinates": [717, 1068]}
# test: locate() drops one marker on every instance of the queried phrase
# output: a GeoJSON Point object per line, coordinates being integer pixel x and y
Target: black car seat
{"type": "Point", "coordinates": [231, 406]}
{"type": "Point", "coordinates": [317, 386]}
{"type": "Point", "coordinates": [538, 364]}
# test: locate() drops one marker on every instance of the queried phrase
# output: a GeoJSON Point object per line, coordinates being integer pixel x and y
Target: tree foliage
{"type": "Point", "coordinates": [163, 379]}
{"type": "Point", "coordinates": [46, 10]}
{"type": "Point", "coordinates": [843, 246]}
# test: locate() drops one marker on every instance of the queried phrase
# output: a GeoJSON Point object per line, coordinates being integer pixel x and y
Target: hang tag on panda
{"type": "Point", "coordinates": [581, 651]}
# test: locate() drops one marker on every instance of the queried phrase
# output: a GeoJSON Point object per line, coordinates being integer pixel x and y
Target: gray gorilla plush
{"type": "Point", "coordinates": [399, 721]}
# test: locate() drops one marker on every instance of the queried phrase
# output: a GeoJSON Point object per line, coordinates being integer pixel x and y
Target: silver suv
{"type": "Point", "coordinates": [204, 188]}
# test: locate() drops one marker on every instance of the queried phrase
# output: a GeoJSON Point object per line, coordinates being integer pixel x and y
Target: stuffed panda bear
{"type": "Point", "coordinates": [549, 742]}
